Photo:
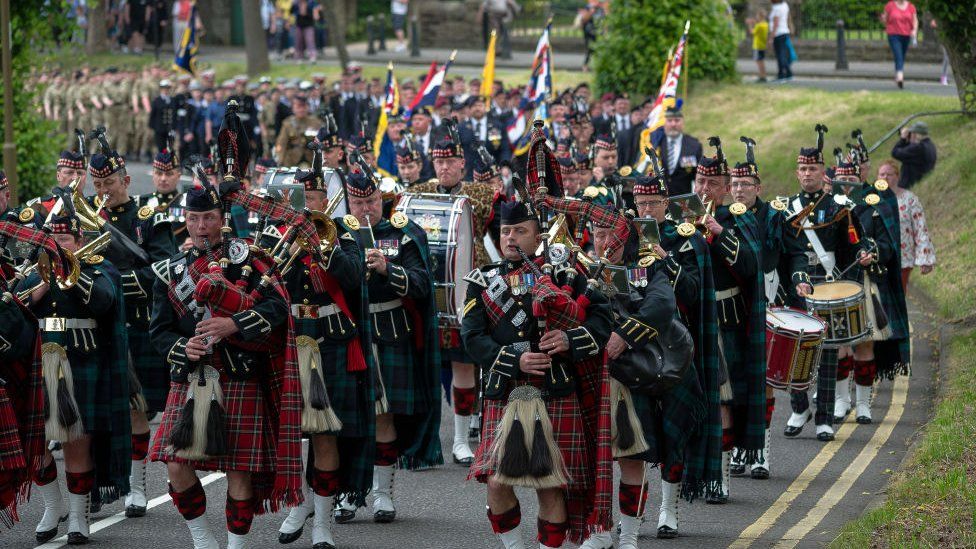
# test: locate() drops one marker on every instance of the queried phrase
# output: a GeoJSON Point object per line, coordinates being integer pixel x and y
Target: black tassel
{"type": "Point", "coordinates": [317, 397]}
{"type": "Point", "coordinates": [67, 414]}
{"type": "Point", "coordinates": [515, 461]}
{"type": "Point", "coordinates": [47, 402]}
{"type": "Point", "coordinates": [540, 464]}
{"type": "Point", "coordinates": [625, 431]}
{"type": "Point", "coordinates": [181, 437]}
{"type": "Point", "coordinates": [216, 430]}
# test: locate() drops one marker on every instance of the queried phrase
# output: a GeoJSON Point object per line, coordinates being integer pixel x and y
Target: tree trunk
{"type": "Point", "coordinates": [97, 27]}
{"type": "Point", "coordinates": [335, 13]}
{"type": "Point", "coordinates": [964, 74]}
{"type": "Point", "coordinates": [957, 33]}
{"type": "Point", "coordinates": [255, 44]}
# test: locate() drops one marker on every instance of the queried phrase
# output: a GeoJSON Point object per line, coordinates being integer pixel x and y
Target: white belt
{"type": "Point", "coordinates": [314, 311]}
{"type": "Point", "coordinates": [725, 294]}
{"type": "Point", "coordinates": [385, 306]}
{"type": "Point", "coordinates": [55, 324]}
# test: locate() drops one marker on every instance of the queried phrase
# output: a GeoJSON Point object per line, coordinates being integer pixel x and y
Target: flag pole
{"type": "Point", "coordinates": [685, 65]}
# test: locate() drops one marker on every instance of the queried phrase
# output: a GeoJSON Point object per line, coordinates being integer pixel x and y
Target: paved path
{"type": "Point", "coordinates": [814, 489]}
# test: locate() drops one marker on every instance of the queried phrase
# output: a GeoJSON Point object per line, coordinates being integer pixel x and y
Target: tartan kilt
{"type": "Point", "coordinates": [93, 401]}
{"type": "Point", "coordinates": [11, 447]}
{"type": "Point", "coordinates": [150, 368]}
{"type": "Point", "coordinates": [669, 422]}
{"type": "Point", "coordinates": [250, 441]}
{"type": "Point", "coordinates": [396, 364]}
{"type": "Point", "coordinates": [734, 342]}
{"type": "Point", "coordinates": [568, 430]}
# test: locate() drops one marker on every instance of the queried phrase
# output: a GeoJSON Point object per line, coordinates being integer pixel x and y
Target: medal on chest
{"type": "Point", "coordinates": [637, 277]}
{"type": "Point", "coordinates": [389, 247]}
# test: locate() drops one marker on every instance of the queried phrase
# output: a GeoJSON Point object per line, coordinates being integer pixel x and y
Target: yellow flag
{"type": "Point", "coordinates": [488, 73]}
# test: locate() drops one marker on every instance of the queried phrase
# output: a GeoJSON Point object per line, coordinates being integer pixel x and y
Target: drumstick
{"type": "Point", "coordinates": [774, 315]}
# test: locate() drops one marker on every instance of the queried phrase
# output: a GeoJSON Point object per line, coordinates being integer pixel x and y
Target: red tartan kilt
{"type": "Point", "coordinates": [567, 429]}
{"type": "Point", "coordinates": [11, 448]}
{"type": "Point", "coordinates": [249, 435]}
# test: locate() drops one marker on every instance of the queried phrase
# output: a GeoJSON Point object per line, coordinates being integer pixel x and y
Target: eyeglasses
{"type": "Point", "coordinates": [650, 203]}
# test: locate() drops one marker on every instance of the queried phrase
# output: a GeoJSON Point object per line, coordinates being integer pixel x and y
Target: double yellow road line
{"type": "Point", "coordinates": [840, 487]}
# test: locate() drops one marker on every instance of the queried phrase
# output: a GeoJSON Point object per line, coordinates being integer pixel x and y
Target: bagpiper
{"type": "Point", "coordinates": [733, 242]}
{"type": "Point", "coordinates": [820, 238]}
{"type": "Point", "coordinates": [546, 417]}
{"type": "Point", "coordinates": [21, 394]}
{"type": "Point", "coordinates": [84, 359]}
{"type": "Point", "coordinates": [234, 403]}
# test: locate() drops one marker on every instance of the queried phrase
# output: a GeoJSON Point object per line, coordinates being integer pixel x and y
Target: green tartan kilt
{"type": "Point", "coordinates": [347, 390]}
{"type": "Point", "coordinates": [150, 368]}
{"type": "Point", "coordinates": [734, 341]}
{"type": "Point", "coordinates": [399, 376]}
{"type": "Point", "coordinates": [93, 401]}
{"type": "Point", "coordinates": [668, 422]}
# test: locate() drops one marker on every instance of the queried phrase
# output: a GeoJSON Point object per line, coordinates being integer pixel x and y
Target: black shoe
{"type": "Point", "coordinates": [75, 538]}
{"type": "Point", "coordinates": [717, 500]}
{"type": "Point", "coordinates": [791, 431]}
{"type": "Point", "coordinates": [736, 469]}
{"type": "Point", "coordinates": [666, 532]}
{"type": "Point", "coordinates": [342, 516]}
{"type": "Point", "coordinates": [759, 473]}
{"type": "Point", "coordinates": [323, 545]}
{"type": "Point", "coordinates": [825, 437]}
{"type": "Point", "coordinates": [133, 511]}
{"type": "Point", "coordinates": [384, 517]}
{"type": "Point", "coordinates": [48, 535]}
{"type": "Point", "coordinates": [285, 539]}
{"type": "Point", "coordinates": [864, 420]}
{"type": "Point", "coordinates": [466, 461]}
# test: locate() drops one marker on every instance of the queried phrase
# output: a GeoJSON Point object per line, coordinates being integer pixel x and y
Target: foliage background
{"type": "Point", "coordinates": [33, 28]}
{"type": "Point", "coordinates": [634, 45]}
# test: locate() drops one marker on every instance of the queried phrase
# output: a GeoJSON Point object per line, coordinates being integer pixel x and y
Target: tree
{"type": "Point", "coordinates": [634, 44]}
{"type": "Point", "coordinates": [957, 32]}
{"type": "Point", "coordinates": [335, 14]}
{"type": "Point", "coordinates": [255, 46]}
{"type": "Point", "coordinates": [97, 27]}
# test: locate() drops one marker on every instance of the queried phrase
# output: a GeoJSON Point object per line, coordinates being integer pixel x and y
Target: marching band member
{"type": "Point", "coordinates": [544, 386]}
{"type": "Point", "coordinates": [85, 361]}
{"type": "Point", "coordinates": [404, 333]}
{"type": "Point", "coordinates": [604, 160]}
{"type": "Point", "coordinates": [687, 262]}
{"type": "Point", "coordinates": [235, 399]}
{"type": "Point", "coordinates": [22, 405]}
{"type": "Point", "coordinates": [410, 163]}
{"type": "Point", "coordinates": [819, 239]}
{"type": "Point", "coordinates": [746, 186]}
{"type": "Point", "coordinates": [149, 238]}
{"type": "Point", "coordinates": [328, 296]}
{"type": "Point", "coordinates": [166, 197]}
{"type": "Point", "coordinates": [733, 241]}
{"type": "Point", "coordinates": [448, 158]}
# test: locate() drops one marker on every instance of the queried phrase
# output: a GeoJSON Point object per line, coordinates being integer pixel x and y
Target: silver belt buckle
{"type": "Point", "coordinates": [813, 259]}
{"type": "Point", "coordinates": [54, 324]}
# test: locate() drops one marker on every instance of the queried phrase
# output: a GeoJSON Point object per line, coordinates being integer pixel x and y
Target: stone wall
{"type": "Point", "coordinates": [449, 24]}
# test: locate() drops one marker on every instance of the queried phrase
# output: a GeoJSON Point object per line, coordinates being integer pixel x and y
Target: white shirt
{"type": "Point", "coordinates": [623, 121]}
{"type": "Point", "coordinates": [480, 128]}
{"type": "Point", "coordinates": [423, 142]}
{"type": "Point", "coordinates": [398, 7]}
{"type": "Point", "coordinates": [674, 152]}
{"type": "Point", "coordinates": [780, 12]}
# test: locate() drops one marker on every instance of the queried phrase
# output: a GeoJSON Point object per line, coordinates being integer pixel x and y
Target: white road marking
{"type": "Point", "coordinates": [120, 516]}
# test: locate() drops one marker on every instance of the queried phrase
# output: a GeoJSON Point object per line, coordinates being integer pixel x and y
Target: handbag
{"type": "Point", "coordinates": [658, 366]}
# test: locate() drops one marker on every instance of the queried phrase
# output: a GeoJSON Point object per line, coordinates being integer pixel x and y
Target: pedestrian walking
{"type": "Point", "coordinates": [306, 13]}
{"type": "Point", "coordinates": [901, 25]}
{"type": "Point", "coordinates": [398, 16]}
{"type": "Point", "coordinates": [588, 19]}
{"type": "Point", "coordinates": [759, 29]}
{"type": "Point", "coordinates": [779, 26]}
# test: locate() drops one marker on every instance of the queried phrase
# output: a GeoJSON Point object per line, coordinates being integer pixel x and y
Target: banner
{"type": "Point", "coordinates": [532, 105]}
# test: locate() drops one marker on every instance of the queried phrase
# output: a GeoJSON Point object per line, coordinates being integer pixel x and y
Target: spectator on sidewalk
{"type": "Point", "coordinates": [500, 13]}
{"type": "Point", "coordinates": [759, 29]}
{"type": "Point", "coordinates": [182, 10]}
{"type": "Point", "coordinates": [916, 152]}
{"type": "Point", "coordinates": [917, 249]}
{"type": "Point", "coordinates": [398, 16]}
{"type": "Point", "coordinates": [588, 19]}
{"type": "Point", "coordinates": [901, 25]}
{"type": "Point", "coordinates": [779, 26]}
{"type": "Point", "coordinates": [306, 13]}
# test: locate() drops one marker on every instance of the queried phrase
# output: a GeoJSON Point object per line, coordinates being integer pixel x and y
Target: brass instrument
{"type": "Point", "coordinates": [91, 220]}
{"type": "Point", "coordinates": [324, 226]}
{"type": "Point", "coordinates": [700, 222]}
{"type": "Point", "coordinates": [73, 261]}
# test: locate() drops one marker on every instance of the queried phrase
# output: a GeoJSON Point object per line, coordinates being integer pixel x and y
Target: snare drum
{"type": "Point", "coordinates": [449, 225]}
{"type": "Point", "coordinates": [841, 305]}
{"type": "Point", "coordinates": [793, 343]}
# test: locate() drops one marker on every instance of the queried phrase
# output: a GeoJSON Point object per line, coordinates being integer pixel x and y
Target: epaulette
{"type": "Point", "coordinates": [406, 239]}
{"type": "Point", "coordinates": [477, 277]}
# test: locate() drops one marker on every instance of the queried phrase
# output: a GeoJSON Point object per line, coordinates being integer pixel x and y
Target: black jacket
{"type": "Point", "coordinates": [681, 178]}
{"type": "Point", "coordinates": [917, 160]}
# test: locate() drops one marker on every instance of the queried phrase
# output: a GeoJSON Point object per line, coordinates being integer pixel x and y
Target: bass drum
{"type": "Point", "coordinates": [449, 225]}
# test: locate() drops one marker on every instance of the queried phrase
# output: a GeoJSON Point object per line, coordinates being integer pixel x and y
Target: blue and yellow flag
{"type": "Point", "coordinates": [383, 149]}
{"type": "Point", "coordinates": [186, 54]}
